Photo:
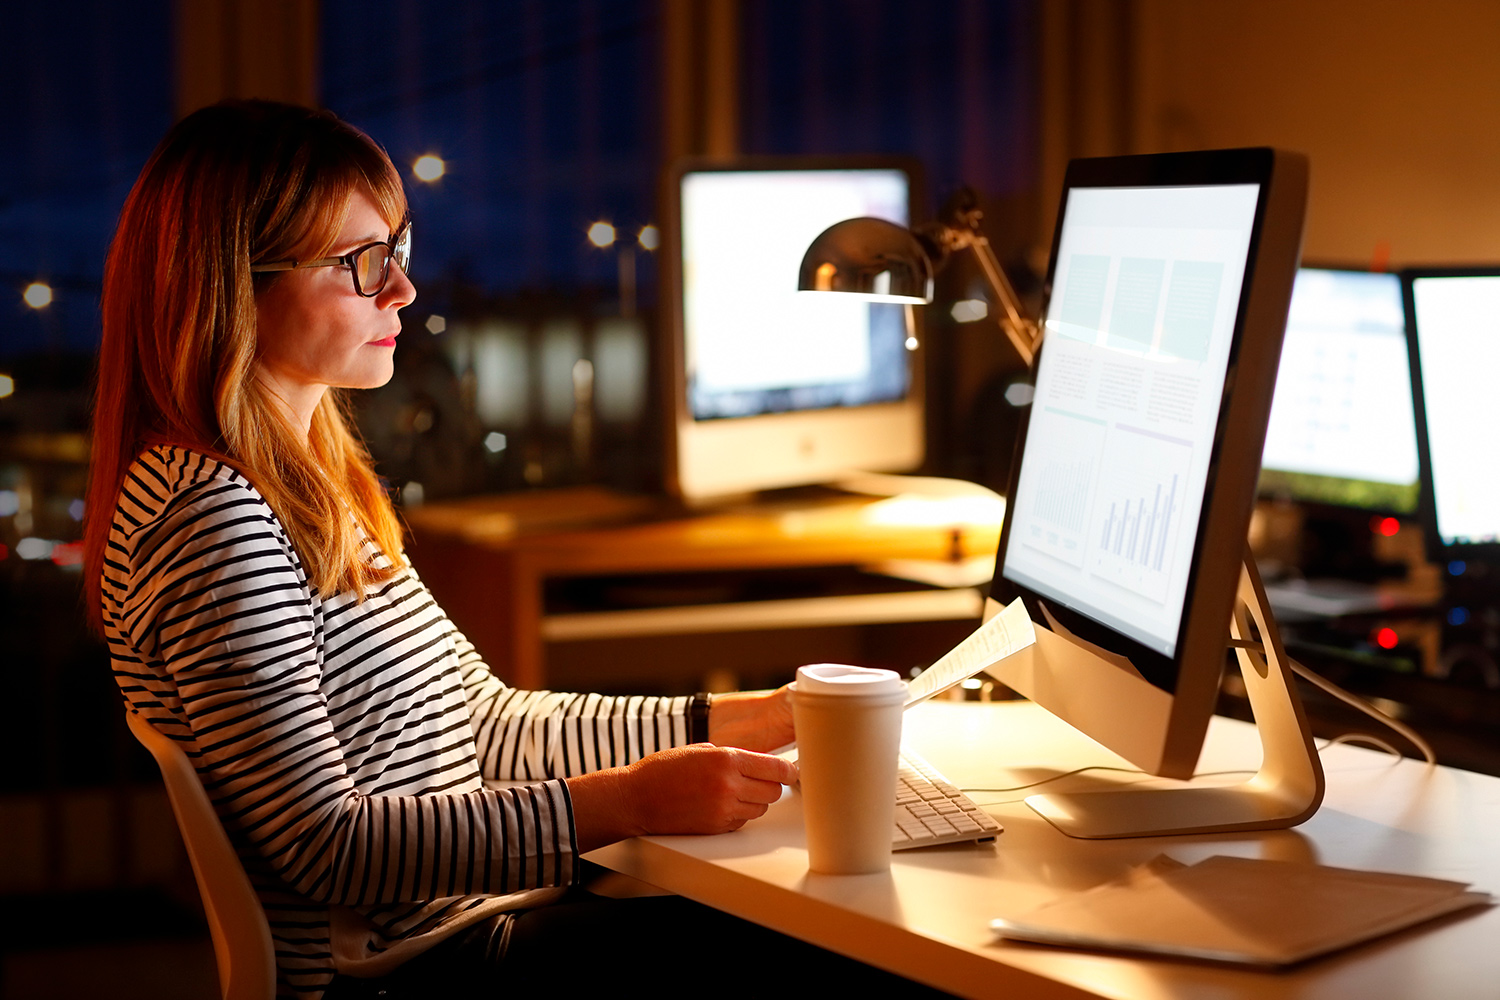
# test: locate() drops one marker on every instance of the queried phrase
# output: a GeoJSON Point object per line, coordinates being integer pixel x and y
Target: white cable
{"type": "Point", "coordinates": [1331, 688]}
{"type": "Point", "coordinates": [1369, 738]}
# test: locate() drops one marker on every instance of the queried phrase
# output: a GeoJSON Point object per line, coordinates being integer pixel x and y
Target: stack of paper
{"type": "Point", "coordinates": [1226, 909]}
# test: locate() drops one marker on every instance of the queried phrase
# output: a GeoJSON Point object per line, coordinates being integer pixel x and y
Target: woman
{"type": "Point", "coordinates": [260, 611]}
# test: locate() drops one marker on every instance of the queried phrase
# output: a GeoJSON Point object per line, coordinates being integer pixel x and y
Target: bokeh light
{"type": "Point", "coordinates": [38, 295]}
{"type": "Point", "coordinates": [601, 234]}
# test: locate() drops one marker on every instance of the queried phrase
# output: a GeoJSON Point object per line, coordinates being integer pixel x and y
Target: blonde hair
{"type": "Point", "coordinates": [232, 185]}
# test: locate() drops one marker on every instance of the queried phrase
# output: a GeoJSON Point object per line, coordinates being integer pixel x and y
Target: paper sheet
{"type": "Point", "coordinates": [1002, 635]}
{"type": "Point", "coordinates": [1266, 913]}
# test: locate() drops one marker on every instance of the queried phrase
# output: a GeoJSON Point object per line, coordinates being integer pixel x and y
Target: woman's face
{"type": "Point", "coordinates": [315, 332]}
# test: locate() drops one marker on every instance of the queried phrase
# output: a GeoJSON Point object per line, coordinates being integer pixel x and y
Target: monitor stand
{"type": "Point", "coordinates": [1287, 789]}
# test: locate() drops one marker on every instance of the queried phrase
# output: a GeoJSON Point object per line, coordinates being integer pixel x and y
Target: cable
{"type": "Point", "coordinates": [1374, 741]}
{"type": "Point", "coordinates": [1092, 767]}
{"type": "Point", "coordinates": [1344, 738]}
{"type": "Point", "coordinates": [1354, 701]}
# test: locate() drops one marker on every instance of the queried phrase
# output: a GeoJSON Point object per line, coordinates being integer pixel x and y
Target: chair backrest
{"type": "Point", "coordinates": [236, 920]}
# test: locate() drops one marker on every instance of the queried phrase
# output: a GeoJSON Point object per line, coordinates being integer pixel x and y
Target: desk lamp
{"type": "Point", "coordinates": [890, 263]}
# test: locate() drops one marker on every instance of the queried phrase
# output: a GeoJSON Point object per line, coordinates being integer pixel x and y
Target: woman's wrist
{"type": "Point", "coordinates": [601, 808]}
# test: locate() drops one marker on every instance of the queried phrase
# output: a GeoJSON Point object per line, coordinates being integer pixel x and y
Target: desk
{"type": "Point", "coordinates": [488, 561]}
{"type": "Point", "coordinates": [928, 918]}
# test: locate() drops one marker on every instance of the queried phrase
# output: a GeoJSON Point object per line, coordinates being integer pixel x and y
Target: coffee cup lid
{"type": "Point", "coordinates": [840, 678]}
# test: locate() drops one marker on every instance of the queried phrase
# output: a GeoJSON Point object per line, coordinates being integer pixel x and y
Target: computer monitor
{"type": "Point", "coordinates": [1130, 499]}
{"type": "Point", "coordinates": [768, 386]}
{"type": "Point", "coordinates": [1342, 431]}
{"type": "Point", "coordinates": [1454, 317]}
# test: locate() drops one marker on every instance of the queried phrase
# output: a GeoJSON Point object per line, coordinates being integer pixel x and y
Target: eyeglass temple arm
{"type": "Point", "coordinates": [292, 265]}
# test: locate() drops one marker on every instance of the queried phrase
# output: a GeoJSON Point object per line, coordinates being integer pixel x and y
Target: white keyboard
{"type": "Point", "coordinates": [930, 810]}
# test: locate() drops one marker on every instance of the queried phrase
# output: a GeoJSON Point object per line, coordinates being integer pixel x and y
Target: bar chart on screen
{"type": "Point", "coordinates": [1140, 491]}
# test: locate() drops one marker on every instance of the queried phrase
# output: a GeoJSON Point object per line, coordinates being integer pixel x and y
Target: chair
{"type": "Point", "coordinates": [241, 935]}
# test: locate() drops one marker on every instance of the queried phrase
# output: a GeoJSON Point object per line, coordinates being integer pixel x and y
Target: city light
{"type": "Point", "coordinates": [38, 295]}
{"type": "Point", "coordinates": [601, 234]}
{"type": "Point", "coordinates": [1386, 638]}
{"type": "Point", "coordinates": [911, 343]}
{"type": "Point", "coordinates": [494, 442]}
{"type": "Point", "coordinates": [32, 549]}
{"type": "Point", "coordinates": [436, 324]}
{"type": "Point", "coordinates": [429, 167]}
{"type": "Point", "coordinates": [7, 386]}
{"type": "Point", "coordinates": [969, 310]}
{"type": "Point", "coordinates": [649, 237]}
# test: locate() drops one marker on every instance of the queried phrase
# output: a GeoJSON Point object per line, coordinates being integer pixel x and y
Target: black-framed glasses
{"type": "Point", "coordinates": [370, 265]}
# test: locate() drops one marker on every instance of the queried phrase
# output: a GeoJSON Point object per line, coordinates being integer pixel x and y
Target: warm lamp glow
{"type": "Point", "coordinates": [649, 237]}
{"type": "Point", "coordinates": [429, 167]}
{"type": "Point", "coordinates": [7, 386]}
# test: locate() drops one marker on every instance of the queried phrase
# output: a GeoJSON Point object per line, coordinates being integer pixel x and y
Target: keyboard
{"type": "Point", "coordinates": [931, 811]}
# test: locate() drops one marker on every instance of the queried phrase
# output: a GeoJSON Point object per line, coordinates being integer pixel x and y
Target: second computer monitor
{"type": "Point", "coordinates": [1342, 431]}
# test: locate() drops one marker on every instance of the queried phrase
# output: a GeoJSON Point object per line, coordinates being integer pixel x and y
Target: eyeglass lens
{"type": "Point", "coordinates": [372, 265]}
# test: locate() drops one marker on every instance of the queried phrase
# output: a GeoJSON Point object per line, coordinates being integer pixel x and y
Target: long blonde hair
{"type": "Point", "coordinates": [232, 185]}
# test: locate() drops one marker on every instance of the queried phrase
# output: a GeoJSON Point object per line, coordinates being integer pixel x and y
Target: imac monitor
{"type": "Point", "coordinates": [1342, 431]}
{"type": "Point", "coordinates": [769, 386]}
{"type": "Point", "coordinates": [1454, 317]}
{"type": "Point", "coordinates": [1130, 500]}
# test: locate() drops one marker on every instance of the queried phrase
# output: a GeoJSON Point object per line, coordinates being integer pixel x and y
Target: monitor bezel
{"type": "Point", "coordinates": [678, 422]}
{"type": "Point", "coordinates": [1190, 677]}
{"type": "Point", "coordinates": [1322, 504]}
{"type": "Point", "coordinates": [1437, 549]}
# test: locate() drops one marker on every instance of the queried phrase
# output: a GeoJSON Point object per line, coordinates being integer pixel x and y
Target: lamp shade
{"type": "Point", "coordinates": [870, 257]}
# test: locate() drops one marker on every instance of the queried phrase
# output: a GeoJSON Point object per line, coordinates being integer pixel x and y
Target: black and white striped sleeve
{"type": "Point", "coordinates": [531, 735]}
{"type": "Point", "coordinates": [218, 598]}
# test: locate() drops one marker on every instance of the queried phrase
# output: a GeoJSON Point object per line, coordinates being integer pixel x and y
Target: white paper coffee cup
{"type": "Point", "coordinates": [848, 722]}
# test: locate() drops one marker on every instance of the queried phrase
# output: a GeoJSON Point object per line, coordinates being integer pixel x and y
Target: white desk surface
{"type": "Point", "coordinates": [928, 918]}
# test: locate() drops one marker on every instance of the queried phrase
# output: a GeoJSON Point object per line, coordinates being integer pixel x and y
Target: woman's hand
{"type": "Point", "coordinates": [755, 720]}
{"type": "Point", "coordinates": [693, 789]}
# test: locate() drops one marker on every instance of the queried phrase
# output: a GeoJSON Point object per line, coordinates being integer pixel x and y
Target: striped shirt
{"type": "Point", "coordinates": [345, 743]}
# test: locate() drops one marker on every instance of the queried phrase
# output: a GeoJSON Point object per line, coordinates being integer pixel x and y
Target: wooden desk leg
{"type": "Point", "coordinates": [527, 658]}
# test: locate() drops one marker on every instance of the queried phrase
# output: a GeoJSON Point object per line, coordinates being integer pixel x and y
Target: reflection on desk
{"type": "Point", "coordinates": [928, 918]}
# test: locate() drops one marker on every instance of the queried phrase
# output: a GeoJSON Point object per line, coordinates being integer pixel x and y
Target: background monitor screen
{"type": "Point", "coordinates": [1145, 295]}
{"type": "Point", "coordinates": [1342, 429]}
{"type": "Point", "coordinates": [1455, 357]}
{"type": "Point", "coordinates": [754, 343]}
{"type": "Point", "coordinates": [771, 386]}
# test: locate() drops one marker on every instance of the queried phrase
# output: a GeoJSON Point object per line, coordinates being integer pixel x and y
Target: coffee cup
{"type": "Point", "coordinates": [848, 722]}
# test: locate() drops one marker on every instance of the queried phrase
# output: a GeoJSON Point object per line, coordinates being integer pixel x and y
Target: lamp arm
{"type": "Point", "coordinates": [1023, 333]}
{"type": "Point", "coordinates": [956, 228]}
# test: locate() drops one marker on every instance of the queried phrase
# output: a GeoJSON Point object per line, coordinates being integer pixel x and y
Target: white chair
{"type": "Point", "coordinates": [236, 920]}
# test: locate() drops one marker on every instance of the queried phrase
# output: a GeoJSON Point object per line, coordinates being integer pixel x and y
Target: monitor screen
{"type": "Point", "coordinates": [1455, 343]}
{"type": "Point", "coordinates": [1342, 430]}
{"type": "Point", "coordinates": [1145, 294]}
{"type": "Point", "coordinates": [769, 386]}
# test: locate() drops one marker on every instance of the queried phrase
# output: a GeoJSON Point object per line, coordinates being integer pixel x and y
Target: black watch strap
{"type": "Point", "coordinates": [698, 719]}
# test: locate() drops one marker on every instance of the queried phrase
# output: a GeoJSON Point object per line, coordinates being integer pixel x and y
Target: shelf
{"type": "Point", "coordinates": [806, 612]}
